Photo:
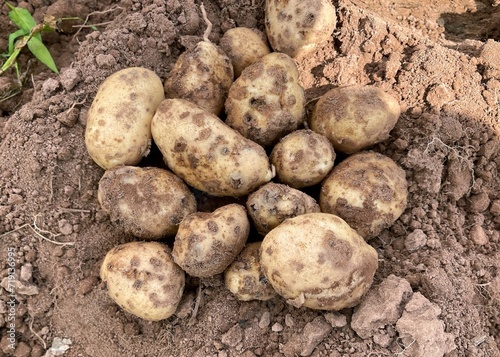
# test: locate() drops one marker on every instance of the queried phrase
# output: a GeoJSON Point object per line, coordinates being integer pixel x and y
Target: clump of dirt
{"type": "Point", "coordinates": [441, 258]}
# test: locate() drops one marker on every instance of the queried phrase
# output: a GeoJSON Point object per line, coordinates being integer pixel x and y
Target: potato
{"type": "Point", "coordinates": [316, 260]}
{"type": "Point", "coordinates": [244, 277]}
{"type": "Point", "coordinates": [143, 279]}
{"type": "Point", "coordinates": [273, 203]}
{"type": "Point", "coordinates": [266, 102]}
{"type": "Point", "coordinates": [147, 202]}
{"type": "Point", "coordinates": [206, 153]}
{"type": "Point", "coordinates": [355, 118]}
{"type": "Point", "coordinates": [297, 27]}
{"type": "Point", "coordinates": [244, 46]}
{"type": "Point", "coordinates": [119, 119]}
{"type": "Point", "coordinates": [201, 75]}
{"type": "Point", "coordinates": [206, 243]}
{"type": "Point", "coordinates": [303, 158]}
{"type": "Point", "coordinates": [368, 190]}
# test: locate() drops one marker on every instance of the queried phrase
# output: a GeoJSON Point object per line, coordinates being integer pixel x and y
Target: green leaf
{"type": "Point", "coordinates": [12, 38]}
{"type": "Point", "coordinates": [42, 53]}
{"type": "Point", "coordinates": [22, 18]}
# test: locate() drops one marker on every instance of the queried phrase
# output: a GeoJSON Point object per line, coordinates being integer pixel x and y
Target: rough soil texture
{"type": "Point", "coordinates": [437, 290]}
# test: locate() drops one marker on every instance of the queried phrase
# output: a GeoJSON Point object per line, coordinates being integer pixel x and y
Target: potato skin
{"type": "Point", "coordinates": [143, 279]}
{"type": "Point", "coordinates": [149, 202]}
{"type": "Point", "coordinates": [303, 158]}
{"type": "Point", "coordinates": [316, 260]}
{"type": "Point", "coordinates": [244, 277]}
{"type": "Point", "coordinates": [355, 118]}
{"type": "Point", "coordinates": [119, 119]}
{"type": "Point", "coordinates": [368, 190]}
{"type": "Point", "coordinates": [296, 27]}
{"type": "Point", "coordinates": [266, 102]}
{"type": "Point", "coordinates": [206, 243]}
{"type": "Point", "coordinates": [244, 46]}
{"type": "Point", "coordinates": [273, 203]}
{"type": "Point", "coordinates": [201, 75]}
{"type": "Point", "coordinates": [206, 153]}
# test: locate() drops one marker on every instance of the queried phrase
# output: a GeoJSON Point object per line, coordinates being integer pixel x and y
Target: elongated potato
{"type": "Point", "coordinates": [316, 260]}
{"type": "Point", "coordinates": [118, 128]}
{"type": "Point", "coordinates": [147, 202]}
{"type": "Point", "coordinates": [206, 153]}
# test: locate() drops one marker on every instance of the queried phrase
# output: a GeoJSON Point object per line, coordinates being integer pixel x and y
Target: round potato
{"type": "Point", "coordinates": [118, 128]}
{"type": "Point", "coordinates": [355, 118]}
{"type": "Point", "coordinates": [147, 202]}
{"type": "Point", "coordinates": [316, 260]}
{"type": "Point", "coordinates": [244, 277]}
{"type": "Point", "coordinates": [244, 46]}
{"type": "Point", "coordinates": [368, 190]}
{"type": "Point", "coordinates": [206, 243]}
{"type": "Point", "coordinates": [303, 158]}
{"type": "Point", "coordinates": [297, 27]}
{"type": "Point", "coordinates": [273, 203]}
{"type": "Point", "coordinates": [206, 153]}
{"type": "Point", "coordinates": [266, 102]}
{"type": "Point", "coordinates": [143, 279]}
{"type": "Point", "coordinates": [201, 75]}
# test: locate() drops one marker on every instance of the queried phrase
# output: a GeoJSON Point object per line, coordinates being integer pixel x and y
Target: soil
{"type": "Point", "coordinates": [437, 289]}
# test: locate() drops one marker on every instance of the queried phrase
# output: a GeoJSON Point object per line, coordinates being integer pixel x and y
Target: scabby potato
{"type": "Point", "coordinates": [206, 243]}
{"type": "Point", "coordinates": [118, 130]}
{"type": "Point", "coordinates": [272, 203]}
{"type": "Point", "coordinates": [244, 277]}
{"type": "Point", "coordinates": [143, 279]}
{"type": "Point", "coordinates": [147, 202]}
{"type": "Point", "coordinates": [266, 102]}
{"type": "Point", "coordinates": [316, 260]}
{"type": "Point", "coordinates": [206, 153]}
{"type": "Point", "coordinates": [355, 118]}
{"type": "Point", "coordinates": [297, 27]}
{"type": "Point", "coordinates": [303, 158]}
{"type": "Point", "coordinates": [244, 46]}
{"type": "Point", "coordinates": [368, 190]}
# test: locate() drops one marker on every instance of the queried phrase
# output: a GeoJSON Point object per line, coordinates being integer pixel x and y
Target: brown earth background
{"type": "Point", "coordinates": [437, 290]}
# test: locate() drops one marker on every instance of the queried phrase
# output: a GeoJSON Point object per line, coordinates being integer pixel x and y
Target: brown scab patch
{"type": "Point", "coordinates": [297, 266]}
{"type": "Point", "coordinates": [135, 261]}
{"type": "Point", "coordinates": [155, 262]}
{"type": "Point", "coordinates": [137, 284]}
{"type": "Point", "coordinates": [212, 227]}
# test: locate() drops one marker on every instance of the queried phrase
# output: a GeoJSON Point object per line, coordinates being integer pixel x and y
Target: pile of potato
{"type": "Point", "coordinates": [266, 151]}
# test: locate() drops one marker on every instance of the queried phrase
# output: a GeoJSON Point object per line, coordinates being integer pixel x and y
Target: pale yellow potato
{"type": "Point", "coordinates": [368, 190]}
{"type": "Point", "coordinates": [303, 158]}
{"type": "Point", "coordinates": [244, 277]}
{"type": "Point", "coordinates": [201, 75]}
{"type": "Point", "coordinates": [297, 27]}
{"type": "Point", "coordinates": [355, 118]}
{"type": "Point", "coordinates": [316, 260]}
{"type": "Point", "coordinates": [118, 128]}
{"type": "Point", "coordinates": [206, 153]}
{"type": "Point", "coordinates": [143, 279]}
{"type": "Point", "coordinates": [147, 202]}
{"type": "Point", "coordinates": [266, 102]}
{"type": "Point", "coordinates": [273, 203]}
{"type": "Point", "coordinates": [244, 46]}
{"type": "Point", "coordinates": [206, 243]}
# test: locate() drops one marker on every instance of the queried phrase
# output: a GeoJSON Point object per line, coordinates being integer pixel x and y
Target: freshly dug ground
{"type": "Point", "coordinates": [437, 290]}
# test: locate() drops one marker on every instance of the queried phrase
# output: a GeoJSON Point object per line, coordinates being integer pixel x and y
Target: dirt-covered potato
{"type": "Point", "coordinates": [303, 158]}
{"type": "Point", "coordinates": [355, 118]}
{"type": "Point", "coordinates": [244, 277]}
{"type": "Point", "coordinates": [368, 190]}
{"type": "Point", "coordinates": [143, 279]}
{"type": "Point", "coordinates": [147, 202]}
{"type": "Point", "coordinates": [296, 27]}
{"type": "Point", "coordinates": [201, 75]}
{"type": "Point", "coordinates": [273, 203]}
{"type": "Point", "coordinates": [244, 46]}
{"type": "Point", "coordinates": [266, 102]}
{"type": "Point", "coordinates": [316, 260]}
{"type": "Point", "coordinates": [206, 153]}
{"type": "Point", "coordinates": [119, 119]}
{"type": "Point", "coordinates": [206, 243]}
